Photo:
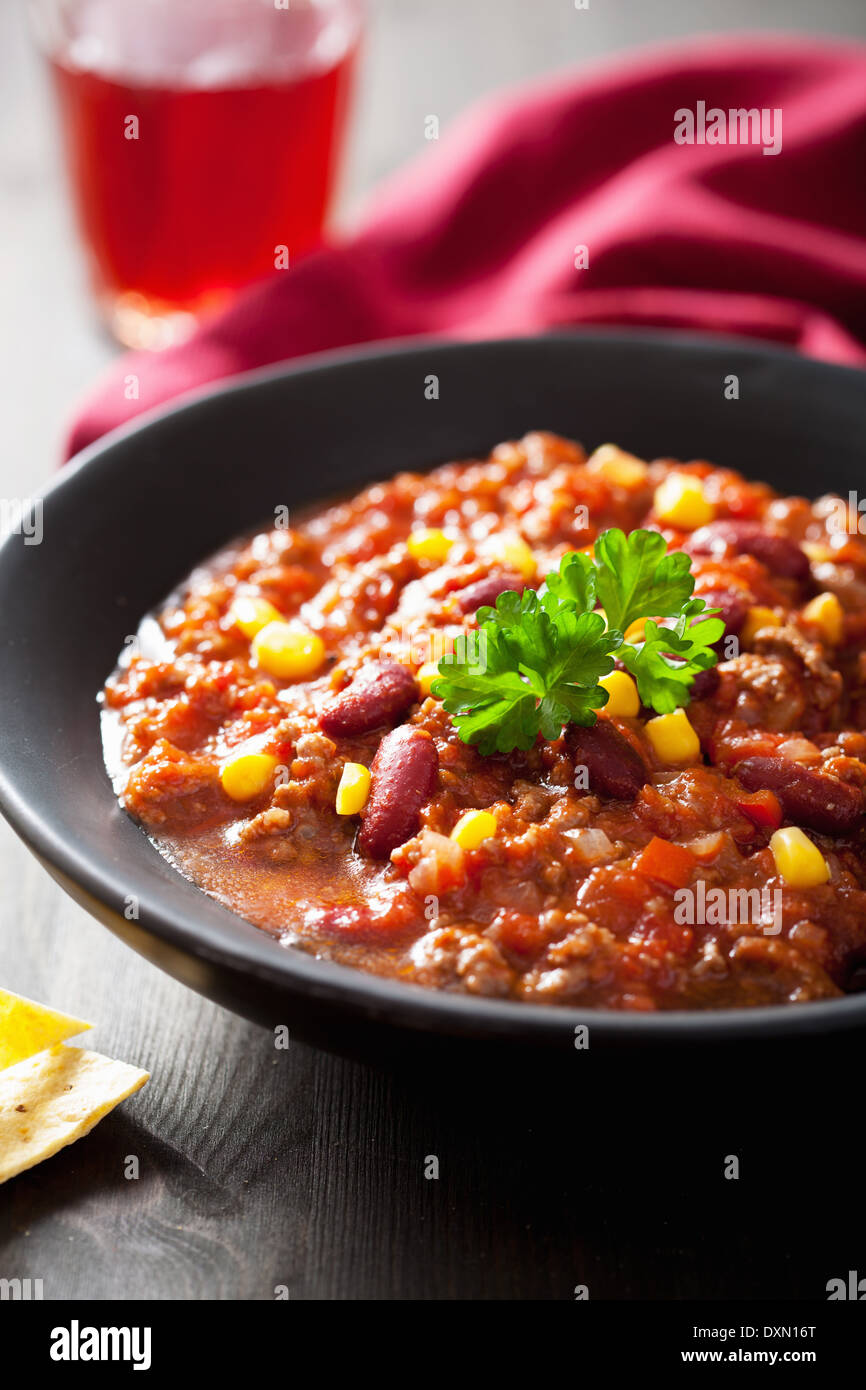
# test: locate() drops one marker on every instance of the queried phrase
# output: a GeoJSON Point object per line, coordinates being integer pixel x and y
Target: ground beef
{"type": "Point", "coordinates": [577, 897]}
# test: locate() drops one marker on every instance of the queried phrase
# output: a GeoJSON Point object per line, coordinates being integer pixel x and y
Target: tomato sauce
{"type": "Point", "coordinates": [654, 886]}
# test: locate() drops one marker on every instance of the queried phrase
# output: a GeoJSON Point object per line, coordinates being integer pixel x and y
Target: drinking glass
{"type": "Point", "coordinates": [202, 140]}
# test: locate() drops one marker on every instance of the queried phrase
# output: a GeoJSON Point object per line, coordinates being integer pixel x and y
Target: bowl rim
{"type": "Point", "coordinates": [349, 989]}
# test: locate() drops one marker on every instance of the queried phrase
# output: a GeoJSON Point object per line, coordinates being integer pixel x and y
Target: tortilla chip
{"type": "Point", "coordinates": [54, 1098]}
{"type": "Point", "coordinates": [26, 1027]}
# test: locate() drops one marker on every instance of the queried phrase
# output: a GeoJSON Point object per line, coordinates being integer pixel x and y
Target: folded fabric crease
{"type": "Point", "coordinates": [481, 236]}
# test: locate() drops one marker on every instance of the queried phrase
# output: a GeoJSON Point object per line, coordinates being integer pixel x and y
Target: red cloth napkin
{"type": "Point", "coordinates": [477, 237]}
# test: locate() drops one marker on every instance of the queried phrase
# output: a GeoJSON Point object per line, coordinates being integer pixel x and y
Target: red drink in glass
{"type": "Point", "coordinates": [203, 139]}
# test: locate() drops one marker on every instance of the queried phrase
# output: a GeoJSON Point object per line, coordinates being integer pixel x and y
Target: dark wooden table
{"type": "Point", "coordinates": [261, 1168]}
{"type": "Point", "coordinates": [264, 1170]}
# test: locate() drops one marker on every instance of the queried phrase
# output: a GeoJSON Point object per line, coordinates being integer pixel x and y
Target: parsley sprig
{"type": "Point", "coordinates": [535, 662]}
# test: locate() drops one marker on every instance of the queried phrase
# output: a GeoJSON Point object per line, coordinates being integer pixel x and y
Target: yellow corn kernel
{"type": "Point", "coordinates": [621, 689]}
{"type": "Point", "coordinates": [798, 859]}
{"type": "Point", "coordinates": [825, 611]}
{"type": "Point", "coordinates": [635, 631]}
{"type": "Point", "coordinates": [673, 738]}
{"type": "Point", "coordinates": [473, 828]}
{"type": "Point", "coordinates": [618, 467]}
{"type": "Point", "coordinates": [680, 501]}
{"type": "Point", "coordinates": [756, 618]}
{"type": "Point", "coordinates": [252, 614]}
{"type": "Point", "coordinates": [513, 553]}
{"type": "Point", "coordinates": [288, 652]}
{"type": "Point", "coordinates": [247, 775]}
{"type": "Point", "coordinates": [817, 552]}
{"type": "Point", "coordinates": [426, 675]}
{"type": "Point", "coordinates": [353, 790]}
{"type": "Point", "coordinates": [429, 545]}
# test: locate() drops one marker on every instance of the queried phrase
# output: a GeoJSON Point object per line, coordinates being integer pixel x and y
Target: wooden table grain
{"type": "Point", "coordinates": [263, 1171]}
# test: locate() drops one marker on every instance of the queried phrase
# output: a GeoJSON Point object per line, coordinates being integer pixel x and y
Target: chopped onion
{"type": "Point", "coordinates": [591, 845]}
{"type": "Point", "coordinates": [799, 750]}
{"type": "Point", "coordinates": [440, 866]}
{"type": "Point", "coordinates": [707, 846]}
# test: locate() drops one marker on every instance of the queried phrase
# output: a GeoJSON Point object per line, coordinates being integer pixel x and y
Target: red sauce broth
{"type": "Point", "coordinates": [574, 899]}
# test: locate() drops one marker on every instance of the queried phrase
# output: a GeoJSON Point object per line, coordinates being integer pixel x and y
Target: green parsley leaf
{"type": "Point", "coordinates": [533, 667]}
{"type": "Point", "coordinates": [638, 579]}
{"type": "Point", "coordinates": [665, 664]}
{"type": "Point", "coordinates": [575, 579]}
{"type": "Point", "coordinates": [535, 662]}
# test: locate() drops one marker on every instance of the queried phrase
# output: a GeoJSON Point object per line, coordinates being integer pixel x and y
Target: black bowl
{"type": "Point", "coordinates": [132, 515]}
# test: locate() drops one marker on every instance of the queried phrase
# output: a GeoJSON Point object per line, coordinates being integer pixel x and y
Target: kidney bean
{"type": "Point", "coordinates": [780, 554]}
{"type": "Point", "coordinates": [808, 798]}
{"type": "Point", "coordinates": [614, 766]}
{"type": "Point", "coordinates": [705, 684]}
{"type": "Point", "coordinates": [484, 592]}
{"type": "Point", "coordinates": [381, 692]}
{"type": "Point", "coordinates": [403, 776]}
{"type": "Point", "coordinates": [732, 611]}
{"type": "Point", "coordinates": [731, 605]}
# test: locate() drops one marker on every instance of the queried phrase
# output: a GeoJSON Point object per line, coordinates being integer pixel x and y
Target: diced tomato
{"type": "Point", "coordinates": [741, 503]}
{"type": "Point", "coordinates": [665, 862]}
{"type": "Point", "coordinates": [612, 893]}
{"type": "Point", "coordinates": [518, 933]}
{"type": "Point", "coordinates": [762, 808]}
{"type": "Point", "coordinates": [669, 938]}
